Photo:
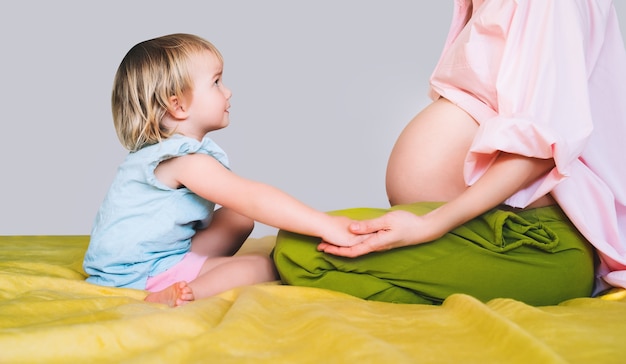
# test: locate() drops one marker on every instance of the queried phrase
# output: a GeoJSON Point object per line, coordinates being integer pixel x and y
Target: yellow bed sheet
{"type": "Point", "coordinates": [49, 314]}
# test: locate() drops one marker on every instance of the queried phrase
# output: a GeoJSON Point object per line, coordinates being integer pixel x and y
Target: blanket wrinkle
{"type": "Point", "coordinates": [498, 328]}
{"type": "Point", "coordinates": [49, 314]}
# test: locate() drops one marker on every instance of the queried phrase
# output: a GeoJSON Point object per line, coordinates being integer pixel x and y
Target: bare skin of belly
{"type": "Point", "coordinates": [426, 163]}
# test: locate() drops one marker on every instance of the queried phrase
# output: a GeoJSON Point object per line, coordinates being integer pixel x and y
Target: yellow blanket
{"type": "Point", "coordinates": [48, 314]}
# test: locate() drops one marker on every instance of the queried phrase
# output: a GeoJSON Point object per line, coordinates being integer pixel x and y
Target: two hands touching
{"type": "Point", "coordinates": [393, 230]}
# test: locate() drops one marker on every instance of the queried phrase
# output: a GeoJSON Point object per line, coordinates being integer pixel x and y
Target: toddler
{"type": "Point", "coordinates": [158, 228]}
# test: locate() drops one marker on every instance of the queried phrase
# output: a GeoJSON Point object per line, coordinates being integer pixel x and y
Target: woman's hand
{"type": "Point", "coordinates": [392, 230]}
{"type": "Point", "coordinates": [338, 233]}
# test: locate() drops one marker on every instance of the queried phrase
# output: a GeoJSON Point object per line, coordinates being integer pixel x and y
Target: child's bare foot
{"type": "Point", "coordinates": [175, 295]}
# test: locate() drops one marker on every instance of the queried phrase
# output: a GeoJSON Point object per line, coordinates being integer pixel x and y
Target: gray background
{"type": "Point", "coordinates": [321, 89]}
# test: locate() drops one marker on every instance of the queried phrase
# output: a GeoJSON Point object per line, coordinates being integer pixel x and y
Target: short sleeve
{"type": "Point", "coordinates": [175, 146]}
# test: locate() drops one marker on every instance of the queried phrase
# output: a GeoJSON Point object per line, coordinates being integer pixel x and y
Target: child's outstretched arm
{"type": "Point", "coordinates": [206, 177]}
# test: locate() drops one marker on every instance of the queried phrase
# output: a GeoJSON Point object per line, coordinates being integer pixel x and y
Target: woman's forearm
{"type": "Point", "coordinates": [508, 174]}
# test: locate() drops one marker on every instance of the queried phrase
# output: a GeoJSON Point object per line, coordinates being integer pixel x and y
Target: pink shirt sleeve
{"type": "Point", "coordinates": [526, 62]}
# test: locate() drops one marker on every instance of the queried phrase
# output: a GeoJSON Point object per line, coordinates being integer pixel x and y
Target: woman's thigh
{"type": "Point", "coordinates": [426, 163]}
{"type": "Point", "coordinates": [536, 256]}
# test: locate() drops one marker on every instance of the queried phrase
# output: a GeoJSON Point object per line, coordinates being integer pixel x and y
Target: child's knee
{"type": "Point", "coordinates": [263, 267]}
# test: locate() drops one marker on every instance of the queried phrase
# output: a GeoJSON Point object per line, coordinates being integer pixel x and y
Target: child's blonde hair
{"type": "Point", "coordinates": [151, 72]}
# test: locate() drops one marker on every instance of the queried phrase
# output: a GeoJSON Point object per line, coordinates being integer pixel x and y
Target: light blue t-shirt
{"type": "Point", "coordinates": [144, 227]}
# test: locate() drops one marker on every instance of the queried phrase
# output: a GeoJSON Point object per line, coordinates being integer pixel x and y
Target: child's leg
{"type": "Point", "coordinates": [209, 247]}
{"type": "Point", "coordinates": [222, 271]}
{"type": "Point", "coordinates": [221, 274]}
{"type": "Point", "coordinates": [208, 276]}
{"type": "Point", "coordinates": [170, 287]}
{"type": "Point", "coordinates": [224, 236]}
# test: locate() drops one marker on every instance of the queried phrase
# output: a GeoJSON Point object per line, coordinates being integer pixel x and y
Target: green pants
{"type": "Point", "coordinates": [535, 256]}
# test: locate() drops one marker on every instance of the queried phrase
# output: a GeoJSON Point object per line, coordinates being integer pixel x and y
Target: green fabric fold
{"type": "Point", "coordinates": [535, 256]}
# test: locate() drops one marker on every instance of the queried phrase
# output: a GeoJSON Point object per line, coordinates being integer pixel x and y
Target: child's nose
{"type": "Point", "coordinates": [227, 93]}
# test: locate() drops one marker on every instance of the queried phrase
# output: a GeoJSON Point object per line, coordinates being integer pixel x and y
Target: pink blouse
{"type": "Point", "coordinates": [547, 79]}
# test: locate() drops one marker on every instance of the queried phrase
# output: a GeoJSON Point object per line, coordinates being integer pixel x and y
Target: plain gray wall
{"type": "Point", "coordinates": [321, 89]}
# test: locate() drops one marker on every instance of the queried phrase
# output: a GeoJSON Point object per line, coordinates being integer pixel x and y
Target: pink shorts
{"type": "Point", "coordinates": [186, 270]}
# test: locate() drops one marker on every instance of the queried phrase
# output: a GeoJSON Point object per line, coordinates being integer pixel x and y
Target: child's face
{"type": "Point", "coordinates": [208, 106]}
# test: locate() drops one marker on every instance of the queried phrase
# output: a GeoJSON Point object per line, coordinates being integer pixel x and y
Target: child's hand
{"type": "Point", "coordinates": [338, 233]}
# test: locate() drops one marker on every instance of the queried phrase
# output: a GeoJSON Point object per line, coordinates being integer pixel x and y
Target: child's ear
{"type": "Point", "coordinates": [177, 108]}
